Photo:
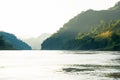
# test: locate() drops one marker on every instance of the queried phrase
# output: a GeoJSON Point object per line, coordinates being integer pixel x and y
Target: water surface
{"type": "Point", "coordinates": [59, 65]}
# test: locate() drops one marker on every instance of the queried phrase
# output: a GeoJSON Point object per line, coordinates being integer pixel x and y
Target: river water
{"type": "Point", "coordinates": [59, 65]}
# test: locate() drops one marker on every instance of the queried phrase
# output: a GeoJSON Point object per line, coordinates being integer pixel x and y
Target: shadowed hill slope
{"type": "Point", "coordinates": [13, 41]}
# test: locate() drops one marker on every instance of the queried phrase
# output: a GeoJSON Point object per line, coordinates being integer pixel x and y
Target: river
{"type": "Point", "coordinates": [59, 65]}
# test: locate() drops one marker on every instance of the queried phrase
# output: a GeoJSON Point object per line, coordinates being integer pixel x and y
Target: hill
{"type": "Point", "coordinates": [83, 23]}
{"type": "Point", "coordinates": [104, 37]}
{"type": "Point", "coordinates": [9, 41]}
{"type": "Point", "coordinates": [5, 45]}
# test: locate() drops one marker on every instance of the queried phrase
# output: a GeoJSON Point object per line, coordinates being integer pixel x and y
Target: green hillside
{"type": "Point", "coordinates": [5, 45]}
{"type": "Point", "coordinates": [89, 24]}
{"type": "Point", "coordinates": [104, 37]}
{"type": "Point", "coordinates": [9, 41]}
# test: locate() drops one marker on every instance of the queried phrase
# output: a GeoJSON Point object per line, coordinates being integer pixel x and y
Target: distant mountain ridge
{"type": "Point", "coordinates": [82, 23]}
{"type": "Point", "coordinates": [35, 43]}
{"type": "Point", "coordinates": [16, 43]}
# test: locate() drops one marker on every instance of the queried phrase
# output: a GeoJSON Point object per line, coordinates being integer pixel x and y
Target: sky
{"type": "Point", "coordinates": [31, 18]}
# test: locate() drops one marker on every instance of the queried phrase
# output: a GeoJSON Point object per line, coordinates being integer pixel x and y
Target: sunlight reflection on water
{"type": "Point", "coordinates": [59, 65]}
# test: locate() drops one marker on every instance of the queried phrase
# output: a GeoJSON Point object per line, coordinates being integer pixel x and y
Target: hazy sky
{"type": "Point", "coordinates": [31, 18]}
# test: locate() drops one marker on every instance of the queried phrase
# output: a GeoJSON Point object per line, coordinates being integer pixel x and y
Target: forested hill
{"type": "Point", "coordinates": [89, 24]}
{"type": "Point", "coordinates": [10, 42]}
